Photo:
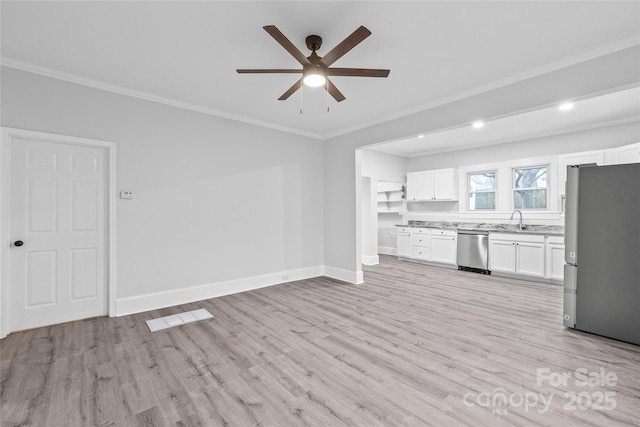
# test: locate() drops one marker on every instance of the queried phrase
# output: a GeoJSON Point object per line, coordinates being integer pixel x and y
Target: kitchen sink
{"type": "Point", "coordinates": [516, 228]}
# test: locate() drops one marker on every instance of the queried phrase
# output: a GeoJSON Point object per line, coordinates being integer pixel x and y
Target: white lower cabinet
{"type": "Point", "coordinates": [502, 256]}
{"type": "Point", "coordinates": [434, 245]}
{"type": "Point", "coordinates": [404, 242]}
{"type": "Point", "coordinates": [530, 258]}
{"type": "Point", "coordinates": [421, 240]}
{"type": "Point", "coordinates": [517, 254]}
{"type": "Point", "coordinates": [444, 246]}
{"type": "Point", "coordinates": [421, 243]}
{"type": "Point", "coordinates": [529, 255]}
{"type": "Point", "coordinates": [420, 253]}
{"type": "Point", "coordinates": [555, 258]}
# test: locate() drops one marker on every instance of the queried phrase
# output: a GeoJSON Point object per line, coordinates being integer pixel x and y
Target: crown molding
{"type": "Point", "coordinates": [95, 84]}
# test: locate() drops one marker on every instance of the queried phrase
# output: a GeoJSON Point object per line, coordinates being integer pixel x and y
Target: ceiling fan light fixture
{"type": "Point", "coordinates": [314, 79]}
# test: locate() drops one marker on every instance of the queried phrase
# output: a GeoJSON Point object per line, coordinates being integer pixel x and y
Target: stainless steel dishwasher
{"type": "Point", "coordinates": [473, 251]}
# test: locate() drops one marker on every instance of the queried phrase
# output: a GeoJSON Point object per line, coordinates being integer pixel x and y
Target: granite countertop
{"type": "Point", "coordinates": [551, 230]}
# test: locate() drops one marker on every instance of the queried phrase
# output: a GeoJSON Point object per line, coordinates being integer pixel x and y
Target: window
{"type": "Point", "coordinates": [482, 191]}
{"type": "Point", "coordinates": [530, 188]}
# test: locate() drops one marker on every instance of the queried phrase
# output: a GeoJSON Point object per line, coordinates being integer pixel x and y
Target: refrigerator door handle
{"type": "Point", "coordinates": [571, 215]}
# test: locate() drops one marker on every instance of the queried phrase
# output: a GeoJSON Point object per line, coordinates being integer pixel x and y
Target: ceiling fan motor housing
{"type": "Point", "coordinates": [313, 42]}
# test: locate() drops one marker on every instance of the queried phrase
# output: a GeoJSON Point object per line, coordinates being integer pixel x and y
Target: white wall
{"type": "Point", "coordinates": [215, 199]}
{"type": "Point", "coordinates": [342, 158]}
{"type": "Point", "coordinates": [369, 221]}
{"type": "Point", "coordinates": [383, 166]}
{"type": "Point", "coordinates": [342, 174]}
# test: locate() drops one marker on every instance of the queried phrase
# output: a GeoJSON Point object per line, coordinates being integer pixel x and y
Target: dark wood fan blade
{"type": "Point", "coordinates": [333, 91]}
{"type": "Point", "coordinates": [345, 46]}
{"type": "Point", "coordinates": [285, 43]}
{"type": "Point", "coordinates": [297, 85]}
{"type": "Point", "coordinates": [357, 72]}
{"type": "Point", "coordinates": [268, 70]}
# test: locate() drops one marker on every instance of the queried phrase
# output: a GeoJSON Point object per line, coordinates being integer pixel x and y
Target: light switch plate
{"type": "Point", "coordinates": [128, 195]}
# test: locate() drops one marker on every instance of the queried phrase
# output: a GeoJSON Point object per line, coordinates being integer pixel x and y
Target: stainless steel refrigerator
{"type": "Point", "coordinates": [602, 250]}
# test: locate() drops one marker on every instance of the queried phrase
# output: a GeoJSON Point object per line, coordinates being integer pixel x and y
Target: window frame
{"type": "Point", "coordinates": [494, 191]}
{"type": "Point", "coordinates": [547, 188]}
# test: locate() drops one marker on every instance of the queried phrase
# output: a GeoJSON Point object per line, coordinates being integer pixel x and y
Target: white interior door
{"type": "Point", "coordinates": [56, 270]}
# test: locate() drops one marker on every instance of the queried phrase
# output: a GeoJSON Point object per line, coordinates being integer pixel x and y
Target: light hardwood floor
{"type": "Point", "coordinates": [413, 346]}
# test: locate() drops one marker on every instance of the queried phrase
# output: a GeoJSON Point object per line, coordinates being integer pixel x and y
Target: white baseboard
{"type": "Point", "coordinates": [355, 277]}
{"type": "Point", "coordinates": [370, 259]}
{"type": "Point", "coordinates": [138, 304]}
{"type": "Point", "coordinates": [141, 303]}
{"type": "Point", "coordinates": [385, 250]}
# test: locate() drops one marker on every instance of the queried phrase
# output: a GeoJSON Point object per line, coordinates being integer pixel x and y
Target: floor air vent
{"type": "Point", "coordinates": [178, 319]}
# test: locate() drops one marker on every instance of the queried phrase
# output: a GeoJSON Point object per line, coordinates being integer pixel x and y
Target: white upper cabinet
{"type": "Point", "coordinates": [425, 184]}
{"type": "Point", "coordinates": [627, 154]}
{"type": "Point", "coordinates": [412, 186]}
{"type": "Point", "coordinates": [586, 157]}
{"type": "Point", "coordinates": [435, 185]}
{"type": "Point", "coordinates": [445, 185]}
{"type": "Point", "coordinates": [613, 156]}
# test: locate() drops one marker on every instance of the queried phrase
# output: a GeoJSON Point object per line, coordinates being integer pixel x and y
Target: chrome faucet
{"type": "Point", "coordinates": [513, 213]}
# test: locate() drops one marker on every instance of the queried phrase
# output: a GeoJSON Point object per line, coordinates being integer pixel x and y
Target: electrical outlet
{"type": "Point", "coordinates": [127, 195]}
{"type": "Point", "coordinates": [285, 278]}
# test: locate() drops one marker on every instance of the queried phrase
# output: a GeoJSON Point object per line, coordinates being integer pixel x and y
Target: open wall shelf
{"type": "Point", "coordinates": [391, 197]}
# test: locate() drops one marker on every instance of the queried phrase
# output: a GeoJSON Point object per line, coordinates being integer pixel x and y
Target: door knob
{"type": "Point", "coordinates": [18, 243]}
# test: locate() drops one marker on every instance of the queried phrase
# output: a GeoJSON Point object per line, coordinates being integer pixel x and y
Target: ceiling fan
{"type": "Point", "coordinates": [315, 69]}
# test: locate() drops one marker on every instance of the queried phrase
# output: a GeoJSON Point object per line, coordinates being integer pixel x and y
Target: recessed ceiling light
{"type": "Point", "coordinates": [478, 124]}
{"type": "Point", "coordinates": [565, 106]}
{"type": "Point", "coordinates": [421, 135]}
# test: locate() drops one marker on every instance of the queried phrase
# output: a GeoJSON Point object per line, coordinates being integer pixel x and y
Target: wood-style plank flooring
{"type": "Point", "coordinates": [414, 345]}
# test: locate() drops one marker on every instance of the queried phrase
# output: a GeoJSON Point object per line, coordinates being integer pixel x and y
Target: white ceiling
{"type": "Point", "coordinates": [609, 109]}
{"type": "Point", "coordinates": [185, 53]}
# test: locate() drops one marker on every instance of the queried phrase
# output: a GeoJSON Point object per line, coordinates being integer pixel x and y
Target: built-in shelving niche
{"type": "Point", "coordinates": [390, 197]}
{"type": "Point", "coordinates": [392, 206]}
